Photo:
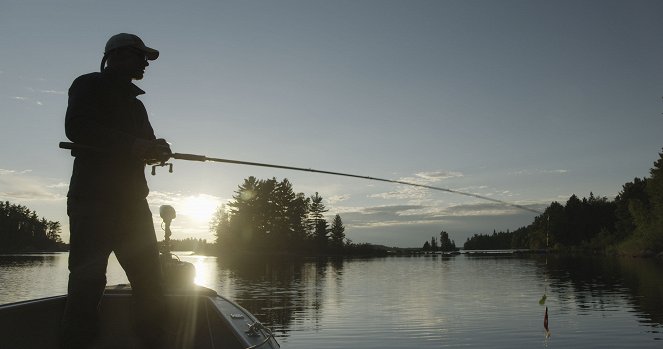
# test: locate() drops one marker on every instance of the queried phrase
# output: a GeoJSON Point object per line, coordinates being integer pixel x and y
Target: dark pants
{"type": "Point", "coordinates": [97, 229]}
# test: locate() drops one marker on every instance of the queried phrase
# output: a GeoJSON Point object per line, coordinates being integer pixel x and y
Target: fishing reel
{"type": "Point", "coordinates": [160, 159]}
{"type": "Point", "coordinates": [162, 164]}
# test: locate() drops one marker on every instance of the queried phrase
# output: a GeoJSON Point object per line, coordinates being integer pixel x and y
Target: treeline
{"type": "Point", "coordinates": [190, 244]}
{"type": "Point", "coordinates": [267, 216]}
{"type": "Point", "coordinates": [496, 241]}
{"type": "Point", "coordinates": [22, 230]}
{"type": "Point", "coordinates": [445, 244]}
{"type": "Point", "coordinates": [631, 224]}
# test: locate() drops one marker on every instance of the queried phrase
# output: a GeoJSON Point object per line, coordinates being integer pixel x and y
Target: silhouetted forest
{"type": "Point", "coordinates": [268, 217]}
{"type": "Point", "coordinates": [496, 241]}
{"type": "Point", "coordinates": [22, 230]}
{"type": "Point", "coordinates": [444, 244]}
{"type": "Point", "coordinates": [199, 246]}
{"type": "Point", "coordinates": [631, 224]}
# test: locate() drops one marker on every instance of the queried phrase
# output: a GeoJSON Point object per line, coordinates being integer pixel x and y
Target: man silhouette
{"type": "Point", "coordinates": [106, 203]}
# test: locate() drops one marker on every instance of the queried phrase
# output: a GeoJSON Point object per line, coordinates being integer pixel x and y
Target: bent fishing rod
{"type": "Point", "coordinates": [203, 158]}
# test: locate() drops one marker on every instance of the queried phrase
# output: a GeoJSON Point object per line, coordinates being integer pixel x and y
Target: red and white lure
{"type": "Point", "coordinates": [545, 324]}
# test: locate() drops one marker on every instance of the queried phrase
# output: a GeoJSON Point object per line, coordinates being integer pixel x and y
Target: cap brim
{"type": "Point", "coordinates": [150, 53]}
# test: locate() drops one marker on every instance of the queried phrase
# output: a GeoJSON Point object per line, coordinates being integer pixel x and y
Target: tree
{"type": "Point", "coordinates": [316, 212]}
{"type": "Point", "coordinates": [337, 233]}
{"type": "Point", "coordinates": [649, 218]}
{"type": "Point", "coordinates": [21, 228]}
{"type": "Point", "coordinates": [297, 214]}
{"type": "Point", "coordinates": [446, 245]}
{"type": "Point", "coordinates": [573, 233]}
{"type": "Point", "coordinates": [632, 194]}
{"type": "Point", "coordinates": [433, 244]}
{"type": "Point", "coordinates": [245, 214]}
{"type": "Point", "coordinates": [426, 246]}
{"type": "Point", "coordinates": [320, 235]}
{"type": "Point", "coordinates": [269, 214]}
{"type": "Point", "coordinates": [220, 226]}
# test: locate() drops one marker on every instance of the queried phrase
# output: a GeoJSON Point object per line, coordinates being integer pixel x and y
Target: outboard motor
{"type": "Point", "coordinates": [176, 274]}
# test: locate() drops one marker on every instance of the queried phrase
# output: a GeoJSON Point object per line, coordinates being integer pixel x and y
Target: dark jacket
{"type": "Point", "coordinates": [104, 112]}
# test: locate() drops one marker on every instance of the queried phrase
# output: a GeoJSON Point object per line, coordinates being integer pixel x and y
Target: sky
{"type": "Point", "coordinates": [525, 101]}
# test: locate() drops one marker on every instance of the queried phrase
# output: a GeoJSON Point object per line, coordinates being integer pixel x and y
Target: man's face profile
{"type": "Point", "coordinates": [130, 62]}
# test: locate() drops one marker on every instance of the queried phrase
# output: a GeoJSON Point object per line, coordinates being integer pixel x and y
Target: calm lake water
{"type": "Point", "coordinates": [415, 302]}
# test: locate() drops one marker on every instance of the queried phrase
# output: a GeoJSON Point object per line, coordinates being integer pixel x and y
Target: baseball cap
{"type": "Point", "coordinates": [130, 40]}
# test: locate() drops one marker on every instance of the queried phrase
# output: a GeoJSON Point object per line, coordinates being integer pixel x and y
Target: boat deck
{"type": "Point", "coordinates": [198, 319]}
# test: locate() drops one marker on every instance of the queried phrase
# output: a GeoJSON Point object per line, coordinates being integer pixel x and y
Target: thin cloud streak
{"type": "Point", "coordinates": [538, 172]}
{"type": "Point", "coordinates": [26, 99]}
{"type": "Point", "coordinates": [393, 215]}
{"type": "Point", "coordinates": [20, 186]}
{"type": "Point", "coordinates": [53, 92]}
{"type": "Point", "coordinates": [404, 192]}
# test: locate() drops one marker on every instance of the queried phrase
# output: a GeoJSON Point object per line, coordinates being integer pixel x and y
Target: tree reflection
{"type": "Point", "coordinates": [597, 281]}
{"type": "Point", "coordinates": [281, 292]}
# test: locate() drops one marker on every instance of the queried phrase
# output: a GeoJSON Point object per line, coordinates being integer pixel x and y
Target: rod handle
{"type": "Point", "coordinates": [74, 146]}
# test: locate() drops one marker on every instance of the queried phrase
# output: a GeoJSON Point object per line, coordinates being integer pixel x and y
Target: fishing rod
{"type": "Point", "coordinates": [203, 158]}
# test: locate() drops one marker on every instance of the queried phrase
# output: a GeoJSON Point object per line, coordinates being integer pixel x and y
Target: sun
{"type": "Point", "coordinates": [199, 208]}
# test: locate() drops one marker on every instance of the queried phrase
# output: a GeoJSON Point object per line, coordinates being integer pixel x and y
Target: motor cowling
{"type": "Point", "coordinates": [177, 274]}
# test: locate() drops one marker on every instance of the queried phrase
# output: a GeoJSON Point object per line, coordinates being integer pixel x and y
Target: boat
{"type": "Point", "coordinates": [198, 317]}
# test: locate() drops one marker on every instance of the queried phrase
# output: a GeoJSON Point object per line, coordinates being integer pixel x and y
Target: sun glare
{"type": "Point", "coordinates": [199, 208]}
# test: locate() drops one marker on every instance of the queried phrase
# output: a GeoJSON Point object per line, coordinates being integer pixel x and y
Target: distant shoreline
{"type": "Point", "coordinates": [63, 248]}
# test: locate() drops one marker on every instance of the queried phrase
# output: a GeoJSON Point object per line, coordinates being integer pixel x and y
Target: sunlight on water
{"type": "Point", "coordinates": [204, 269]}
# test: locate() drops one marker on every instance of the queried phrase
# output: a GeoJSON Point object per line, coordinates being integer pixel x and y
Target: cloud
{"type": "Point", "coordinates": [32, 78]}
{"type": "Point", "coordinates": [59, 185]}
{"type": "Point", "coordinates": [54, 92]}
{"type": "Point", "coordinates": [21, 186]}
{"type": "Point", "coordinates": [337, 198]}
{"type": "Point", "coordinates": [27, 100]}
{"type": "Point", "coordinates": [9, 172]}
{"type": "Point", "coordinates": [393, 215]}
{"type": "Point", "coordinates": [194, 212]}
{"type": "Point", "coordinates": [472, 188]}
{"type": "Point", "coordinates": [403, 193]}
{"type": "Point", "coordinates": [406, 192]}
{"type": "Point", "coordinates": [435, 176]}
{"type": "Point", "coordinates": [538, 171]}
{"type": "Point", "coordinates": [494, 209]}
{"type": "Point", "coordinates": [33, 96]}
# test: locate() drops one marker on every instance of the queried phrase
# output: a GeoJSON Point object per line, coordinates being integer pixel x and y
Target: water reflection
{"type": "Point", "coordinates": [442, 295]}
{"type": "Point", "coordinates": [28, 276]}
{"type": "Point", "coordinates": [601, 283]}
{"type": "Point", "coordinates": [400, 302]}
{"type": "Point", "coordinates": [23, 260]}
{"type": "Point", "coordinates": [279, 291]}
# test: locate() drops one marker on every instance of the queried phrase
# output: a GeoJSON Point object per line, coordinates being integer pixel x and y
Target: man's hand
{"type": "Point", "coordinates": [163, 150]}
{"type": "Point", "coordinates": [151, 152]}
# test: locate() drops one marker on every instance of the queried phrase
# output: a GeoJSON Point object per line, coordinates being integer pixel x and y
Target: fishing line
{"type": "Point", "coordinates": [542, 301]}
{"type": "Point", "coordinates": [203, 158]}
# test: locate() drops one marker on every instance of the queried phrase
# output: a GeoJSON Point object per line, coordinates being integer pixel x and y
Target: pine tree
{"type": "Point", "coordinates": [316, 212]}
{"type": "Point", "coordinates": [337, 233]}
{"type": "Point", "coordinates": [21, 228]}
{"type": "Point", "coordinates": [446, 245]}
{"type": "Point", "coordinates": [320, 235]}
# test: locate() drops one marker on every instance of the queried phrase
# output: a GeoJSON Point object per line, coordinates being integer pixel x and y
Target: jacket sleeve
{"type": "Point", "coordinates": [85, 120]}
{"type": "Point", "coordinates": [146, 126]}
